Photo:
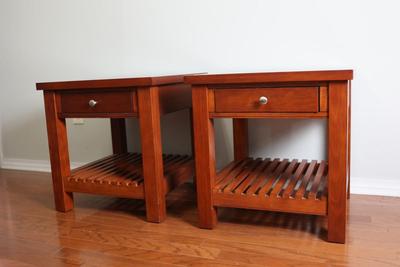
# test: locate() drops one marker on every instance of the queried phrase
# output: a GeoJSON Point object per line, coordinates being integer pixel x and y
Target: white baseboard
{"type": "Point", "coordinates": [31, 165]}
{"type": "Point", "coordinates": [359, 185]}
{"type": "Point", "coordinates": [382, 186]}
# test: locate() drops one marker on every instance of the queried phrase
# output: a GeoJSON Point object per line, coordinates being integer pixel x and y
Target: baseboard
{"type": "Point", "coordinates": [31, 165]}
{"type": "Point", "coordinates": [382, 186]}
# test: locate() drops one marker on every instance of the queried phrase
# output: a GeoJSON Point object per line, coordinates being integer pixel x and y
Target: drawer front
{"type": "Point", "coordinates": [282, 99]}
{"type": "Point", "coordinates": [92, 103]}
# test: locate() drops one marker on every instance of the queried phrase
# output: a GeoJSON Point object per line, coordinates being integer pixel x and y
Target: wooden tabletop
{"type": "Point", "coordinates": [267, 77]}
{"type": "Point", "coordinates": [111, 83]}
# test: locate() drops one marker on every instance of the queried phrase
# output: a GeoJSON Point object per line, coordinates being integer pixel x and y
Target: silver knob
{"type": "Point", "coordinates": [263, 100]}
{"type": "Point", "coordinates": [92, 103]}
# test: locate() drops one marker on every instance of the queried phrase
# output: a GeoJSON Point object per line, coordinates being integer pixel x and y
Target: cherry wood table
{"type": "Point", "coordinates": [149, 175]}
{"type": "Point", "coordinates": [299, 186]}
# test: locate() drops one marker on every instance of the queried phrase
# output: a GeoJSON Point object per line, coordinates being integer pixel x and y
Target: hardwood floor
{"type": "Point", "coordinates": [104, 231]}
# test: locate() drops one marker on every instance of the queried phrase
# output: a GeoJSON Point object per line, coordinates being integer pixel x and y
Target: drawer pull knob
{"type": "Point", "coordinates": [92, 103]}
{"type": "Point", "coordinates": [263, 100]}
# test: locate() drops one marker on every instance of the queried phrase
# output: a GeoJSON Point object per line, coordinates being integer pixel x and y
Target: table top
{"type": "Point", "coordinates": [268, 77]}
{"type": "Point", "coordinates": [111, 83]}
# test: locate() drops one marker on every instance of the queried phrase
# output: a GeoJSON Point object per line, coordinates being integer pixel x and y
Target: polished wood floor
{"type": "Point", "coordinates": [105, 231]}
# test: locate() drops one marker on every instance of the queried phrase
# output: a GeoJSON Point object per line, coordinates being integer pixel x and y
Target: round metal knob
{"type": "Point", "coordinates": [263, 100]}
{"type": "Point", "coordinates": [92, 103]}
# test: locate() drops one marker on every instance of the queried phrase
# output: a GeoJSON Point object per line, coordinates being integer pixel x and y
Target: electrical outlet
{"type": "Point", "coordinates": [78, 121]}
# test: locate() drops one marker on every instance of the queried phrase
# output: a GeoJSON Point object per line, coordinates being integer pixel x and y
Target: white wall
{"type": "Point", "coordinates": [46, 40]}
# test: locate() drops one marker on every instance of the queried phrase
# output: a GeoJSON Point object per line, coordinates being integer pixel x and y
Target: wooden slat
{"type": "Point", "coordinates": [96, 164]}
{"type": "Point", "coordinates": [240, 172]}
{"type": "Point", "coordinates": [227, 169]}
{"type": "Point", "coordinates": [244, 174]}
{"type": "Point", "coordinates": [122, 173]}
{"type": "Point", "coordinates": [103, 172]}
{"type": "Point", "coordinates": [115, 174]}
{"type": "Point", "coordinates": [222, 182]}
{"type": "Point", "coordinates": [299, 193]}
{"type": "Point", "coordinates": [282, 179]}
{"type": "Point", "coordinates": [247, 183]}
{"type": "Point", "coordinates": [93, 164]}
{"type": "Point", "coordinates": [261, 178]}
{"type": "Point", "coordinates": [271, 179]}
{"type": "Point", "coordinates": [322, 191]}
{"type": "Point", "coordinates": [317, 180]}
{"type": "Point", "coordinates": [103, 175]}
{"type": "Point", "coordinates": [299, 172]}
{"type": "Point", "coordinates": [87, 175]}
{"type": "Point", "coordinates": [272, 185]}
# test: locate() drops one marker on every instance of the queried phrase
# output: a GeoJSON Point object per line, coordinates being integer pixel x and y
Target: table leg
{"type": "Point", "coordinates": [59, 156]}
{"type": "Point", "coordinates": [192, 141]}
{"type": "Point", "coordinates": [205, 157]}
{"type": "Point", "coordinates": [240, 138]}
{"type": "Point", "coordinates": [153, 170]}
{"type": "Point", "coordinates": [118, 135]}
{"type": "Point", "coordinates": [338, 161]}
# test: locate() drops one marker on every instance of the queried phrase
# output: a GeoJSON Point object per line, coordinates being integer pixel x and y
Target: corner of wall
{"type": "Point", "coordinates": [1, 147]}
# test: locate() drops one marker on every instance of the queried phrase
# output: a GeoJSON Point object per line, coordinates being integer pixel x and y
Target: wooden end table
{"type": "Point", "coordinates": [149, 175]}
{"type": "Point", "coordinates": [273, 184]}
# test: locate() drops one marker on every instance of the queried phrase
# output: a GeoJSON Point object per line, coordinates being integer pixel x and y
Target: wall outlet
{"type": "Point", "coordinates": [78, 121]}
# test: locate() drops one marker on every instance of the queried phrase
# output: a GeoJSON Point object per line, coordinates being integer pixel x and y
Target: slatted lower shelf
{"type": "Point", "coordinates": [121, 175]}
{"type": "Point", "coordinates": [278, 185]}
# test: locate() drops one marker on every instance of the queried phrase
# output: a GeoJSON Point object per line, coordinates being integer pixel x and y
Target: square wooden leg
{"type": "Point", "coordinates": [205, 157]}
{"type": "Point", "coordinates": [59, 157]}
{"type": "Point", "coordinates": [153, 170]}
{"type": "Point", "coordinates": [338, 161]}
{"type": "Point", "coordinates": [118, 135]}
{"type": "Point", "coordinates": [240, 138]}
{"type": "Point", "coordinates": [192, 140]}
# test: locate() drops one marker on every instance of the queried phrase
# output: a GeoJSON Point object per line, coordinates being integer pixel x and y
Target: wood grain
{"type": "Point", "coordinates": [118, 136]}
{"type": "Point", "coordinates": [59, 156]}
{"type": "Point", "coordinates": [271, 77]}
{"type": "Point", "coordinates": [113, 232]}
{"type": "Point", "coordinates": [121, 174]}
{"type": "Point", "coordinates": [338, 161]}
{"type": "Point", "coordinates": [323, 99]}
{"type": "Point", "coordinates": [279, 185]}
{"type": "Point", "coordinates": [267, 115]}
{"type": "Point", "coordinates": [285, 99]}
{"type": "Point", "coordinates": [122, 83]}
{"type": "Point", "coordinates": [205, 157]}
{"type": "Point", "coordinates": [153, 171]}
{"type": "Point", "coordinates": [240, 139]}
{"type": "Point", "coordinates": [108, 102]}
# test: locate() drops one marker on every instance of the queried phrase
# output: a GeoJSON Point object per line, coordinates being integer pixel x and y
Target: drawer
{"type": "Point", "coordinates": [95, 103]}
{"type": "Point", "coordinates": [280, 99]}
